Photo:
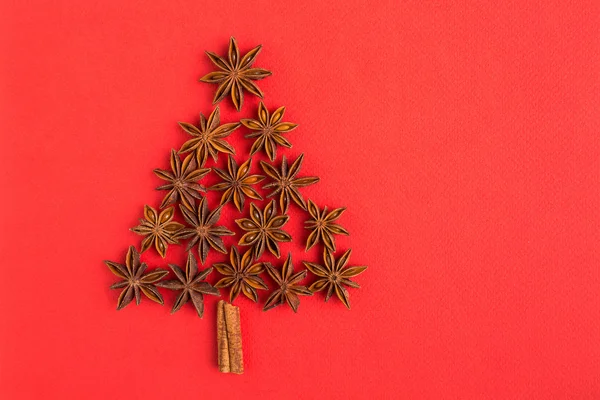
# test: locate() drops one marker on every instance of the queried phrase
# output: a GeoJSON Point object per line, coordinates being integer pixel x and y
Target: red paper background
{"type": "Point", "coordinates": [463, 138]}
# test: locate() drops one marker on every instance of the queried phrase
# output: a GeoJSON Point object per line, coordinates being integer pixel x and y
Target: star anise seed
{"type": "Point", "coordinates": [269, 131]}
{"type": "Point", "coordinates": [159, 230]}
{"type": "Point", "coordinates": [241, 275]}
{"type": "Point", "coordinates": [334, 275]}
{"type": "Point", "coordinates": [288, 285]}
{"type": "Point", "coordinates": [323, 226]}
{"type": "Point", "coordinates": [183, 181]}
{"type": "Point", "coordinates": [286, 183]}
{"type": "Point", "coordinates": [235, 74]}
{"type": "Point", "coordinates": [237, 183]}
{"type": "Point", "coordinates": [202, 229]}
{"type": "Point", "coordinates": [192, 285]}
{"type": "Point", "coordinates": [208, 138]}
{"type": "Point", "coordinates": [134, 279]}
{"type": "Point", "coordinates": [264, 229]}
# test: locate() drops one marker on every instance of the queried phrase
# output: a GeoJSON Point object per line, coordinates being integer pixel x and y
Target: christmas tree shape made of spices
{"type": "Point", "coordinates": [263, 219]}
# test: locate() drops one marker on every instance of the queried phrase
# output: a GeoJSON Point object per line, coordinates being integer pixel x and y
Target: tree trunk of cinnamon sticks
{"type": "Point", "coordinates": [229, 338]}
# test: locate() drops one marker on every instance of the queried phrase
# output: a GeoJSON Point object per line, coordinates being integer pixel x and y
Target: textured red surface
{"type": "Point", "coordinates": [462, 138]}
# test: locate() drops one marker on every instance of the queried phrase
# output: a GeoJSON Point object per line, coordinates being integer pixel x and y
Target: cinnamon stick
{"type": "Point", "coordinates": [229, 338]}
{"type": "Point", "coordinates": [223, 347]}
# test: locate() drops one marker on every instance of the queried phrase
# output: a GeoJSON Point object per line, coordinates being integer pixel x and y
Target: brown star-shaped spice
{"type": "Point", "coordinates": [191, 285]}
{"type": "Point", "coordinates": [269, 131]}
{"type": "Point", "coordinates": [159, 230]}
{"type": "Point", "coordinates": [202, 229]}
{"type": "Point", "coordinates": [237, 183]}
{"type": "Point", "coordinates": [134, 280]}
{"type": "Point", "coordinates": [208, 139]}
{"type": "Point", "coordinates": [183, 181]}
{"type": "Point", "coordinates": [241, 275]}
{"type": "Point", "coordinates": [334, 275]}
{"type": "Point", "coordinates": [286, 183]}
{"type": "Point", "coordinates": [288, 285]}
{"type": "Point", "coordinates": [323, 226]}
{"type": "Point", "coordinates": [263, 229]}
{"type": "Point", "coordinates": [235, 74]}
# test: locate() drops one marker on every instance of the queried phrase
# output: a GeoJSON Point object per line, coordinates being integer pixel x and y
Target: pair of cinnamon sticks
{"type": "Point", "coordinates": [229, 338]}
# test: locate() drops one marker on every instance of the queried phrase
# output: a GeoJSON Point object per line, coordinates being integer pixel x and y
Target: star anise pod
{"type": "Point", "coordinates": [323, 226]}
{"type": "Point", "coordinates": [237, 183]}
{"type": "Point", "coordinates": [183, 181]}
{"type": "Point", "coordinates": [191, 285]}
{"type": "Point", "coordinates": [288, 285]}
{"type": "Point", "coordinates": [159, 230]}
{"type": "Point", "coordinates": [236, 74]}
{"type": "Point", "coordinates": [263, 230]}
{"type": "Point", "coordinates": [208, 138]}
{"type": "Point", "coordinates": [134, 279]}
{"type": "Point", "coordinates": [203, 229]}
{"type": "Point", "coordinates": [241, 275]}
{"type": "Point", "coordinates": [269, 131]}
{"type": "Point", "coordinates": [286, 183]}
{"type": "Point", "coordinates": [334, 275]}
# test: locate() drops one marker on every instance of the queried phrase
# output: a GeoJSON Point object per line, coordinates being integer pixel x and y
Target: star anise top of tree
{"type": "Point", "coordinates": [237, 183]}
{"type": "Point", "coordinates": [159, 229]}
{"type": "Point", "coordinates": [192, 285]}
{"type": "Point", "coordinates": [241, 275]}
{"type": "Point", "coordinates": [289, 289]}
{"type": "Point", "coordinates": [235, 74]}
{"type": "Point", "coordinates": [208, 138]}
{"type": "Point", "coordinates": [183, 181]}
{"type": "Point", "coordinates": [263, 230]}
{"type": "Point", "coordinates": [323, 226]}
{"type": "Point", "coordinates": [286, 183]}
{"type": "Point", "coordinates": [135, 280]}
{"type": "Point", "coordinates": [202, 229]}
{"type": "Point", "coordinates": [269, 131]}
{"type": "Point", "coordinates": [334, 275]}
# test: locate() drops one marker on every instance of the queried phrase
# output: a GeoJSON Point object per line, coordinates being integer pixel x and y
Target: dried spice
{"type": "Point", "coordinates": [192, 285]}
{"type": "Point", "coordinates": [334, 275]}
{"type": "Point", "coordinates": [229, 339]}
{"type": "Point", "coordinates": [159, 229]}
{"type": "Point", "coordinates": [134, 279]}
{"type": "Point", "coordinates": [269, 131]}
{"type": "Point", "coordinates": [183, 181]}
{"type": "Point", "coordinates": [208, 138]}
{"type": "Point", "coordinates": [235, 74]}
{"type": "Point", "coordinates": [288, 285]}
{"type": "Point", "coordinates": [286, 184]}
{"type": "Point", "coordinates": [323, 226]}
{"type": "Point", "coordinates": [237, 183]}
{"type": "Point", "coordinates": [264, 230]}
{"type": "Point", "coordinates": [241, 275]}
{"type": "Point", "coordinates": [203, 229]}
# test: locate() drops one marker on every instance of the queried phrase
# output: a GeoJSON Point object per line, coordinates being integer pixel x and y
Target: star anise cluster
{"type": "Point", "coordinates": [184, 213]}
